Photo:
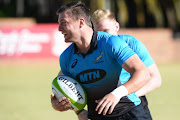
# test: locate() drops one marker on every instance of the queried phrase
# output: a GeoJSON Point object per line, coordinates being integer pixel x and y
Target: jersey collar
{"type": "Point", "coordinates": [93, 45]}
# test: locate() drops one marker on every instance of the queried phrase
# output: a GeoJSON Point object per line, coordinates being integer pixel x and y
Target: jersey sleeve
{"type": "Point", "coordinates": [141, 50]}
{"type": "Point", "coordinates": [63, 60]}
{"type": "Point", "coordinates": [119, 49]}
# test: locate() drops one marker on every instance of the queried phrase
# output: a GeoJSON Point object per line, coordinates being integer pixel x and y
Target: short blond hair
{"type": "Point", "coordinates": [100, 14]}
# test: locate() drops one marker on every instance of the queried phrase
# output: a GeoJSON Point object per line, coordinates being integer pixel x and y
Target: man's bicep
{"type": "Point", "coordinates": [132, 64]}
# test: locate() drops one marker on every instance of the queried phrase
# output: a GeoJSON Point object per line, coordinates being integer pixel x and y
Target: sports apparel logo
{"type": "Point", "coordinates": [74, 63]}
{"type": "Point", "coordinates": [90, 76]}
{"type": "Point", "coordinates": [99, 57]}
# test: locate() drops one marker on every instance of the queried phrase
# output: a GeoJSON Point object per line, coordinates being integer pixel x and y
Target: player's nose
{"type": "Point", "coordinates": [60, 28]}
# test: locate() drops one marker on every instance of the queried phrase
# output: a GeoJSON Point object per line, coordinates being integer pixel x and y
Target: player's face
{"type": "Point", "coordinates": [68, 27]}
{"type": "Point", "coordinates": [107, 25]}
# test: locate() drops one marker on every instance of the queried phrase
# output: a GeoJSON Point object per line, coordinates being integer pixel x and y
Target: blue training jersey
{"type": "Point", "coordinates": [139, 48]}
{"type": "Point", "coordinates": [98, 71]}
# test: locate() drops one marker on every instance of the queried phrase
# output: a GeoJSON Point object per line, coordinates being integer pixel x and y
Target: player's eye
{"type": "Point", "coordinates": [106, 30]}
{"type": "Point", "coordinates": [63, 22]}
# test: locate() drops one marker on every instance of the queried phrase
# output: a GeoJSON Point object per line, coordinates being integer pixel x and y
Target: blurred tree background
{"type": "Point", "coordinates": [129, 13]}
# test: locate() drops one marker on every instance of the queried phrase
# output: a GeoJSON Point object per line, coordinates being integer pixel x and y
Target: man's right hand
{"type": "Point", "coordinates": [61, 104]}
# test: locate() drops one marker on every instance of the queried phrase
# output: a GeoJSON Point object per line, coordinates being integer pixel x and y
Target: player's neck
{"type": "Point", "coordinates": [85, 42]}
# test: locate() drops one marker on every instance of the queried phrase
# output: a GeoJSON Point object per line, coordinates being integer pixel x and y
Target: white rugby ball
{"type": "Point", "coordinates": [70, 88]}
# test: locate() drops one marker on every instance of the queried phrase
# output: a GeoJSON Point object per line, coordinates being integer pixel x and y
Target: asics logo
{"type": "Point", "coordinates": [74, 63]}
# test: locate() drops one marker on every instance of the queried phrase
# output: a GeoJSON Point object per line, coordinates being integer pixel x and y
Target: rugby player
{"type": "Point", "coordinates": [104, 20]}
{"type": "Point", "coordinates": [96, 60]}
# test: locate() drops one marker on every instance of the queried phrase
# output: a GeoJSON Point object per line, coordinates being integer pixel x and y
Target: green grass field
{"type": "Point", "coordinates": [25, 88]}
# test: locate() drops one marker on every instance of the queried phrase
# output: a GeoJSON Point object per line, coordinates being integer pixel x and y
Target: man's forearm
{"type": "Point", "coordinates": [137, 81]}
{"type": "Point", "coordinates": [149, 87]}
{"type": "Point", "coordinates": [153, 83]}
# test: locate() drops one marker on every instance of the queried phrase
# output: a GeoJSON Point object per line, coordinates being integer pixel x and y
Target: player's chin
{"type": "Point", "coordinates": [68, 40]}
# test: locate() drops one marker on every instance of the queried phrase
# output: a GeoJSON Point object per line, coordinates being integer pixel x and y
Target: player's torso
{"type": "Point", "coordinates": [97, 72]}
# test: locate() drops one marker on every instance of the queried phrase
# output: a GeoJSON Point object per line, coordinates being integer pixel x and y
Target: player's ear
{"type": "Point", "coordinates": [117, 26]}
{"type": "Point", "coordinates": [82, 22]}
